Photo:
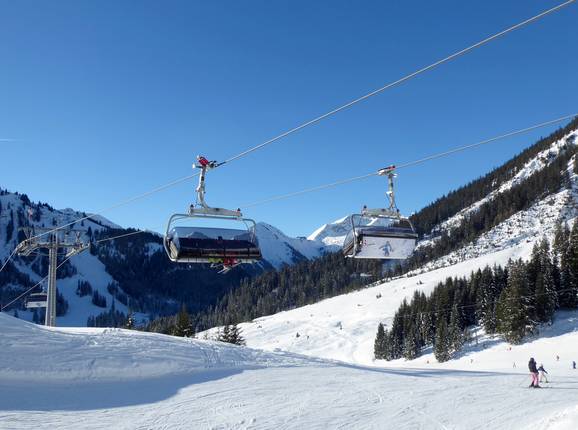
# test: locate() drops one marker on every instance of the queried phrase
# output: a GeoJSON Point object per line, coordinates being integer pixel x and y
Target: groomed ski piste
{"type": "Point", "coordinates": [326, 378]}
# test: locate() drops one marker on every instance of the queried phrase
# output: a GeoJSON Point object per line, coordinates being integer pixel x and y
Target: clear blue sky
{"type": "Point", "coordinates": [120, 96]}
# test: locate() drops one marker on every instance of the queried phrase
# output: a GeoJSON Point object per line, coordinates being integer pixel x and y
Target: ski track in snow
{"type": "Point", "coordinates": [207, 385]}
{"type": "Point", "coordinates": [112, 378]}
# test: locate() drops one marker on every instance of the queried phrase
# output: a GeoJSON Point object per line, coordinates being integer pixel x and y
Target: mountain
{"type": "Point", "coordinates": [130, 272]}
{"type": "Point", "coordinates": [514, 205]}
{"type": "Point", "coordinates": [518, 202]}
{"type": "Point", "coordinates": [332, 234]}
{"type": "Point", "coordinates": [279, 249]}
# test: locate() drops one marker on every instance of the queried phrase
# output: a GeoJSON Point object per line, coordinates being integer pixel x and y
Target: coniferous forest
{"type": "Point", "coordinates": [509, 301]}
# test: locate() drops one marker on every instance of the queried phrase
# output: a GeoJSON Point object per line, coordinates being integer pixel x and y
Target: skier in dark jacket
{"type": "Point", "coordinates": [534, 373]}
{"type": "Point", "coordinates": [543, 373]}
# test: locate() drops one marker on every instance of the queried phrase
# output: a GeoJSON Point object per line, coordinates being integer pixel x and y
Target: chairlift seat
{"type": "Point", "coordinates": [394, 242]}
{"type": "Point", "coordinates": [37, 300]}
{"type": "Point", "coordinates": [209, 245]}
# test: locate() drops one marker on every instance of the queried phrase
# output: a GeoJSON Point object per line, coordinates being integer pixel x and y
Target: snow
{"type": "Point", "coordinates": [310, 367]}
{"type": "Point", "coordinates": [332, 234]}
{"type": "Point", "coordinates": [344, 327]}
{"type": "Point", "coordinates": [535, 164]}
{"type": "Point", "coordinates": [280, 249]}
{"type": "Point", "coordinates": [101, 378]}
{"type": "Point", "coordinates": [277, 248]}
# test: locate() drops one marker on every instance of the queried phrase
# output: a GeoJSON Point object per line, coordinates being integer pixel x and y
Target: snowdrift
{"type": "Point", "coordinates": [30, 352]}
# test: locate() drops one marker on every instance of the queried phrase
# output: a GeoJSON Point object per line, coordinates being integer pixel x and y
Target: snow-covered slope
{"type": "Point", "coordinates": [332, 234]}
{"type": "Point", "coordinates": [18, 213]}
{"type": "Point", "coordinates": [344, 327]}
{"type": "Point", "coordinates": [119, 379]}
{"type": "Point", "coordinates": [112, 354]}
{"type": "Point", "coordinates": [535, 164]}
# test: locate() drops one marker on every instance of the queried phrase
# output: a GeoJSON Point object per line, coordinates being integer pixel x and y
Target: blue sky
{"type": "Point", "coordinates": [120, 96]}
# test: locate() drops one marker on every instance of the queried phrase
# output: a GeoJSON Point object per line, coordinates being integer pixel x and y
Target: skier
{"type": "Point", "coordinates": [574, 365]}
{"type": "Point", "coordinates": [534, 373]}
{"type": "Point", "coordinates": [543, 373]}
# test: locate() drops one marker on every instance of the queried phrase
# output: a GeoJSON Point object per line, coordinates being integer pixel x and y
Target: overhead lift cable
{"type": "Point", "coordinates": [401, 80]}
{"type": "Point", "coordinates": [410, 163]}
{"type": "Point", "coordinates": [8, 260]}
{"type": "Point", "coordinates": [358, 178]}
{"type": "Point", "coordinates": [328, 114]}
{"type": "Point", "coordinates": [33, 287]}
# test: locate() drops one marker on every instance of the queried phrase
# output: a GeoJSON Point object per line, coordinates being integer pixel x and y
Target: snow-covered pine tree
{"type": "Point", "coordinates": [235, 336]}
{"type": "Point", "coordinates": [513, 307]}
{"type": "Point", "coordinates": [441, 346]}
{"type": "Point", "coordinates": [455, 331]}
{"type": "Point", "coordinates": [568, 293]}
{"type": "Point", "coordinates": [488, 294]}
{"type": "Point", "coordinates": [225, 335]}
{"type": "Point", "coordinates": [561, 236]}
{"type": "Point", "coordinates": [411, 344]}
{"type": "Point", "coordinates": [544, 286]}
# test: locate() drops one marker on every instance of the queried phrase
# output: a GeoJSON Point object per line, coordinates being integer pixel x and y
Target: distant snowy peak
{"type": "Point", "coordinates": [279, 249]}
{"type": "Point", "coordinates": [332, 234]}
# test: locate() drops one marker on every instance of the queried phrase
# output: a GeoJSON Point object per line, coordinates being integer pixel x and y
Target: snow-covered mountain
{"type": "Point", "coordinates": [343, 327]}
{"type": "Point", "coordinates": [332, 234]}
{"type": "Point", "coordinates": [17, 213]}
{"type": "Point", "coordinates": [279, 249]}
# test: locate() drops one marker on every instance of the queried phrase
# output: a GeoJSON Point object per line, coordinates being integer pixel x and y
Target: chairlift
{"type": "Point", "coordinates": [221, 247]}
{"type": "Point", "coordinates": [36, 300]}
{"type": "Point", "coordinates": [382, 234]}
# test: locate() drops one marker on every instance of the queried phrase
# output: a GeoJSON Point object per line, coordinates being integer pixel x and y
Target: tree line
{"type": "Point", "coordinates": [511, 302]}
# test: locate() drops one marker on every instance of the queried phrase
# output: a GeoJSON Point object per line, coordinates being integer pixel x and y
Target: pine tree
{"type": "Point", "coordinates": [568, 293]}
{"type": "Point", "coordinates": [225, 335]}
{"type": "Point", "coordinates": [379, 344]}
{"type": "Point", "coordinates": [487, 297]}
{"type": "Point", "coordinates": [441, 346]}
{"type": "Point", "coordinates": [183, 327]}
{"type": "Point", "coordinates": [545, 288]}
{"type": "Point", "coordinates": [455, 331]}
{"type": "Point", "coordinates": [561, 235]}
{"type": "Point", "coordinates": [129, 320]}
{"type": "Point", "coordinates": [512, 312]}
{"type": "Point", "coordinates": [235, 335]}
{"type": "Point", "coordinates": [411, 345]}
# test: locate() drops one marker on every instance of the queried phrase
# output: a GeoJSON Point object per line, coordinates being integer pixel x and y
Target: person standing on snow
{"type": "Point", "coordinates": [534, 373]}
{"type": "Point", "coordinates": [542, 373]}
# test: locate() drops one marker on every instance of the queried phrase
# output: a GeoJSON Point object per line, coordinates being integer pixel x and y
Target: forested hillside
{"type": "Point", "coordinates": [328, 276]}
{"type": "Point", "coordinates": [275, 291]}
{"type": "Point", "coordinates": [510, 301]}
{"type": "Point", "coordinates": [447, 206]}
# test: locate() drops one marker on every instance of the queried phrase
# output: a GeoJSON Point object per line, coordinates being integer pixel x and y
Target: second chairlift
{"type": "Point", "coordinates": [383, 233]}
{"type": "Point", "coordinates": [220, 247]}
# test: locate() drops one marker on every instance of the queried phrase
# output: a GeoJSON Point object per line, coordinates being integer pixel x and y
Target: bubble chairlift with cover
{"type": "Point", "coordinates": [382, 234]}
{"type": "Point", "coordinates": [221, 247]}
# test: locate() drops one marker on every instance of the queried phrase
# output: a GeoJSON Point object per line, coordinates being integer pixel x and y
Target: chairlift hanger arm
{"type": "Point", "coordinates": [202, 207]}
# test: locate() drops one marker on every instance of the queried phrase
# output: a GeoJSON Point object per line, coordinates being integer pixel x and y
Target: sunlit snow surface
{"type": "Point", "coordinates": [119, 379]}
